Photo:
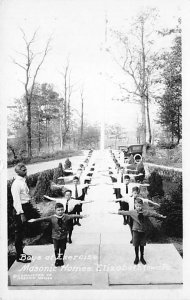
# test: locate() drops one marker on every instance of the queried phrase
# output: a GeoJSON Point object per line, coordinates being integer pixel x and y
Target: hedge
{"type": "Point", "coordinates": [172, 207]}
{"type": "Point", "coordinates": [168, 174]}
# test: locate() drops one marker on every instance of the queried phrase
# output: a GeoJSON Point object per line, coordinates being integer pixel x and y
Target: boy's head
{"type": "Point", "coordinates": [135, 191]}
{"type": "Point", "coordinates": [59, 209]}
{"type": "Point", "coordinates": [138, 204]}
{"type": "Point", "coordinates": [126, 179]}
{"type": "Point", "coordinates": [21, 170]}
{"type": "Point", "coordinates": [67, 194]}
{"type": "Point", "coordinates": [75, 180]}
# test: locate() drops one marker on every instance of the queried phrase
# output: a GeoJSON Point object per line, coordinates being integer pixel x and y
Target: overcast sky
{"type": "Point", "coordinates": [77, 28]}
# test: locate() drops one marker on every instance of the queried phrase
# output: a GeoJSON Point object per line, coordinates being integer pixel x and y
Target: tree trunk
{"type": "Point", "coordinates": [39, 139]}
{"type": "Point", "coordinates": [61, 134]}
{"type": "Point", "coordinates": [148, 120]}
{"type": "Point", "coordinates": [29, 134]}
{"type": "Point", "coordinates": [143, 112]}
{"type": "Point", "coordinates": [143, 98]}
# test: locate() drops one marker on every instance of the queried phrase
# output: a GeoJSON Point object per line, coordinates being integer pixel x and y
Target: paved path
{"type": "Point", "coordinates": [101, 255]}
{"type": "Point", "coordinates": [38, 167]}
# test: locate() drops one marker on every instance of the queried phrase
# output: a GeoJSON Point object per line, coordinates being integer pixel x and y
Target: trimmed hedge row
{"type": "Point", "coordinates": [168, 174]}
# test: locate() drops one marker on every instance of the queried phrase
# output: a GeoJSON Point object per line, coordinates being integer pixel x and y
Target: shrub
{"type": "Point", "coordinates": [151, 151]}
{"type": "Point", "coordinates": [166, 145]}
{"type": "Point", "coordinates": [171, 206]}
{"type": "Point", "coordinates": [58, 172]}
{"type": "Point", "coordinates": [156, 185]}
{"type": "Point", "coordinates": [43, 187]}
{"type": "Point", "coordinates": [31, 180]}
{"type": "Point", "coordinates": [67, 164]}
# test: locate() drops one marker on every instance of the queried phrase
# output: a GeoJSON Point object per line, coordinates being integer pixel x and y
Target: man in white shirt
{"type": "Point", "coordinates": [21, 202]}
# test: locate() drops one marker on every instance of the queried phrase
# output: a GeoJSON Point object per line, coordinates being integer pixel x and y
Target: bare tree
{"type": "Point", "coordinates": [136, 65]}
{"type": "Point", "coordinates": [65, 114]}
{"type": "Point", "coordinates": [31, 71]}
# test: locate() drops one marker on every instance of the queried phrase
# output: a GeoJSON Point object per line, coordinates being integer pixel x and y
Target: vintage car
{"type": "Point", "coordinates": [135, 150]}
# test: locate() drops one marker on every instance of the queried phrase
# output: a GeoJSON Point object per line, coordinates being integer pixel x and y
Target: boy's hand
{"type": "Point", "coordinates": [163, 217]}
{"type": "Point", "coordinates": [31, 220]}
{"type": "Point", "coordinates": [112, 212]}
{"type": "Point", "coordinates": [85, 216]}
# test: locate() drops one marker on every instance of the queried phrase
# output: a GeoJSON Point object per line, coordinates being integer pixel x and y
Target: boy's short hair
{"type": "Point", "coordinates": [126, 177]}
{"type": "Point", "coordinates": [136, 189]}
{"type": "Point", "coordinates": [75, 178]}
{"type": "Point", "coordinates": [66, 192]}
{"type": "Point", "coordinates": [58, 205]}
{"type": "Point", "coordinates": [139, 201]}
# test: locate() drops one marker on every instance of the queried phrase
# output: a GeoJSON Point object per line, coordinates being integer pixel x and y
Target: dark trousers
{"type": "Point", "coordinates": [20, 229]}
{"type": "Point", "coordinates": [78, 208]}
{"type": "Point", "coordinates": [70, 228]}
{"type": "Point", "coordinates": [19, 232]}
{"type": "Point", "coordinates": [59, 247]}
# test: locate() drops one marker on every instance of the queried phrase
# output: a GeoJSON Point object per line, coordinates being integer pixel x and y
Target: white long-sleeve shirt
{"type": "Point", "coordinates": [20, 193]}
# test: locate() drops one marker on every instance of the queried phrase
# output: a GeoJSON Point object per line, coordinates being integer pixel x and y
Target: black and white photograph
{"type": "Point", "coordinates": [92, 183]}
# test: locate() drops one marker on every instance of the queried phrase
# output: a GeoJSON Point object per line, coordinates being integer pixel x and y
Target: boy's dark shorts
{"type": "Point", "coordinates": [139, 238]}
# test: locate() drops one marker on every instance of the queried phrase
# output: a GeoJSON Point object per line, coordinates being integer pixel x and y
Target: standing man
{"type": "Point", "coordinates": [21, 204]}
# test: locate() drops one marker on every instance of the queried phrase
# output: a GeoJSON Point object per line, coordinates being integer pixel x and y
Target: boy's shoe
{"type": "Point", "coordinates": [136, 261]}
{"type": "Point", "coordinates": [57, 263]}
{"type": "Point", "coordinates": [24, 258]}
{"type": "Point", "coordinates": [131, 241]}
{"type": "Point", "coordinates": [124, 222]}
{"type": "Point", "coordinates": [79, 224]}
{"type": "Point", "coordinates": [69, 241]}
{"type": "Point", "coordinates": [61, 263]}
{"type": "Point", "coordinates": [143, 260]}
